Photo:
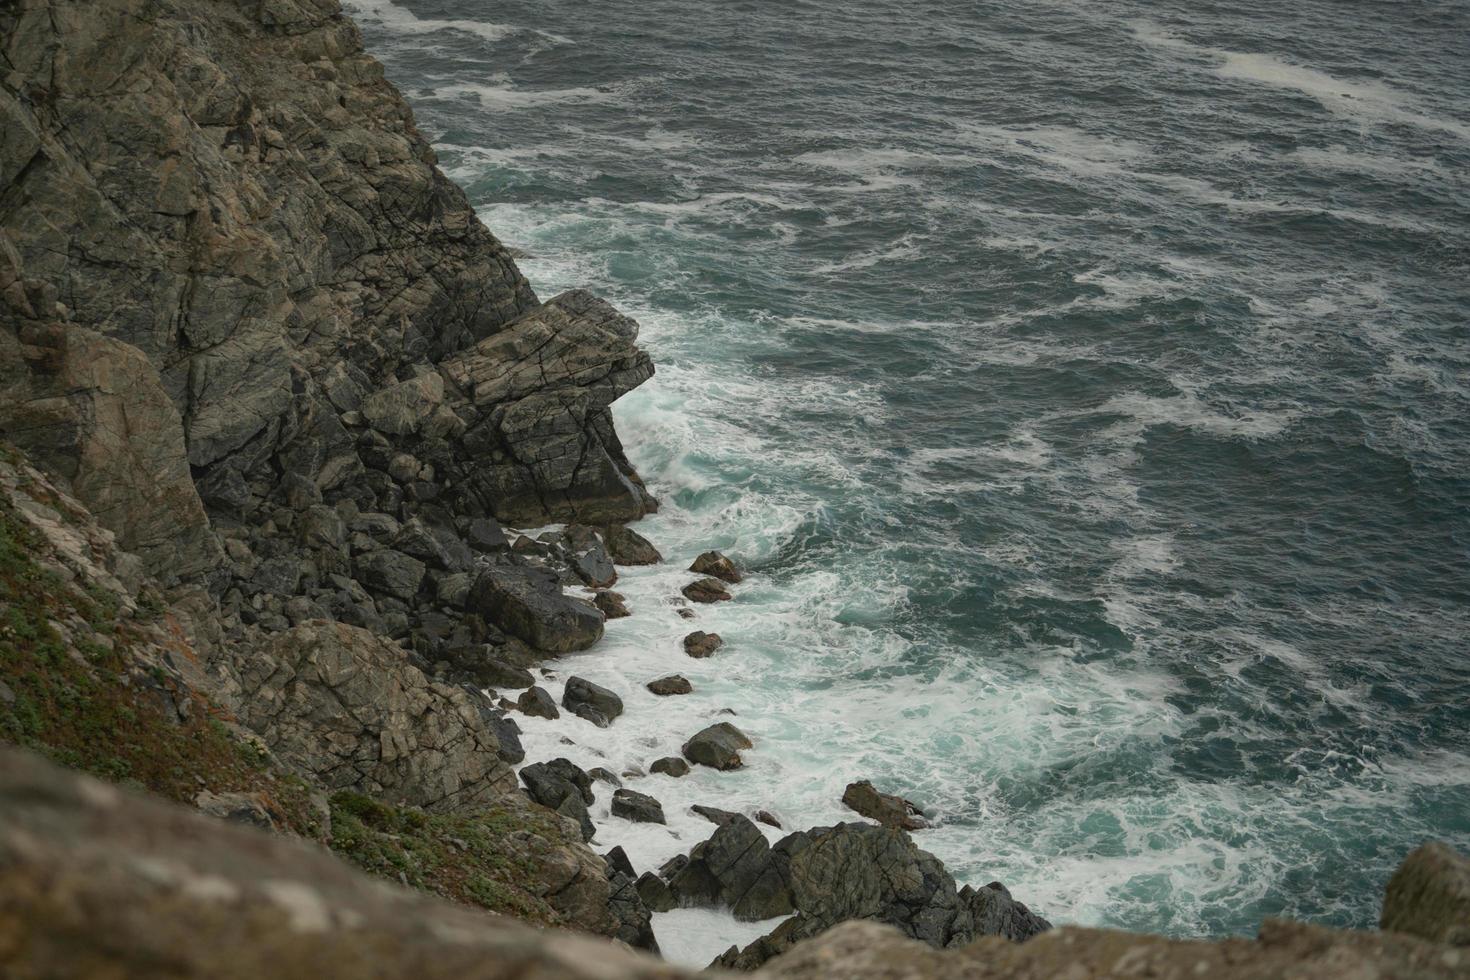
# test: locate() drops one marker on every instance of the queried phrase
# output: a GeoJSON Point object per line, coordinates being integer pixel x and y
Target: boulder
{"type": "Point", "coordinates": [655, 893]}
{"type": "Point", "coordinates": [478, 662]}
{"type": "Point", "coordinates": [735, 869]}
{"type": "Point", "coordinates": [537, 703]}
{"type": "Point", "coordinates": [611, 604]}
{"type": "Point", "coordinates": [390, 573]}
{"type": "Point", "coordinates": [401, 409]}
{"type": "Point", "coordinates": [587, 700]}
{"type": "Point", "coordinates": [700, 644]}
{"type": "Point", "coordinates": [634, 923]}
{"type": "Point", "coordinates": [714, 815]}
{"type": "Point", "coordinates": [706, 590]}
{"type": "Point", "coordinates": [619, 863]}
{"type": "Point", "coordinates": [436, 547]}
{"type": "Point", "coordinates": [767, 818]}
{"type": "Point", "coordinates": [485, 534]}
{"type": "Point", "coordinates": [717, 746]}
{"type": "Point", "coordinates": [670, 766]}
{"type": "Point", "coordinates": [628, 547]}
{"type": "Point", "coordinates": [887, 809]}
{"type": "Point", "coordinates": [561, 786]}
{"type": "Point", "coordinates": [528, 603]}
{"type": "Point", "coordinates": [590, 560]}
{"type": "Point", "coordinates": [637, 807]}
{"type": "Point", "coordinates": [715, 564]}
{"type": "Point", "coordinates": [604, 775]}
{"type": "Point", "coordinates": [671, 685]}
{"type": "Point", "coordinates": [1429, 896]}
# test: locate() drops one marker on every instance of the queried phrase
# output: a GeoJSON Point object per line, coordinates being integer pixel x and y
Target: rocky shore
{"type": "Point", "coordinates": [274, 406]}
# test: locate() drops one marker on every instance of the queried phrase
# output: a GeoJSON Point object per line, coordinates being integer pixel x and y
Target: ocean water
{"type": "Point", "coordinates": [1086, 385]}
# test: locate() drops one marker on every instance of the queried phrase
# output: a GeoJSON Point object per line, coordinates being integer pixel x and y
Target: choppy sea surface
{"type": "Point", "coordinates": [1086, 384]}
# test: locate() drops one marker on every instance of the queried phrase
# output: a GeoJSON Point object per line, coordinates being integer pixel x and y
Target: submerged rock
{"type": "Point", "coordinates": [887, 809]}
{"type": "Point", "coordinates": [528, 603]}
{"type": "Point", "coordinates": [715, 564]}
{"type": "Point", "coordinates": [717, 746]}
{"type": "Point", "coordinates": [706, 590]}
{"type": "Point", "coordinates": [700, 644]}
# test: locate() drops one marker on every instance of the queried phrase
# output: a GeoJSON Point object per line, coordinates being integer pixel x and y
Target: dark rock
{"type": "Point", "coordinates": [714, 815]}
{"type": "Point", "coordinates": [485, 534]}
{"type": "Point", "coordinates": [670, 766]}
{"type": "Point", "coordinates": [279, 576]}
{"type": "Point", "coordinates": [590, 559]}
{"type": "Point", "coordinates": [735, 868]}
{"type": "Point", "coordinates": [526, 545]}
{"type": "Point", "coordinates": [637, 807]}
{"type": "Point", "coordinates": [655, 893]}
{"type": "Point", "coordinates": [706, 590]}
{"type": "Point", "coordinates": [667, 686]}
{"type": "Point", "coordinates": [528, 603]}
{"type": "Point", "coordinates": [389, 572]}
{"type": "Point", "coordinates": [1429, 896]}
{"type": "Point", "coordinates": [479, 663]}
{"type": "Point", "coordinates": [436, 547]}
{"type": "Point", "coordinates": [612, 604]}
{"type": "Point", "coordinates": [767, 818]}
{"type": "Point", "coordinates": [887, 809]}
{"type": "Point", "coordinates": [625, 902]}
{"type": "Point", "coordinates": [993, 912]}
{"type": "Point", "coordinates": [700, 644]}
{"type": "Point", "coordinates": [717, 746]}
{"type": "Point", "coordinates": [581, 694]}
{"type": "Point", "coordinates": [716, 564]}
{"type": "Point", "coordinates": [559, 785]}
{"type": "Point", "coordinates": [628, 547]}
{"type": "Point", "coordinates": [617, 862]}
{"type": "Point", "coordinates": [508, 734]}
{"type": "Point", "coordinates": [685, 612]}
{"type": "Point", "coordinates": [538, 703]}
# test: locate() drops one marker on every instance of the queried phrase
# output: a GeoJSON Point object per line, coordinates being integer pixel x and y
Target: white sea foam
{"type": "Point", "coordinates": [399, 20]}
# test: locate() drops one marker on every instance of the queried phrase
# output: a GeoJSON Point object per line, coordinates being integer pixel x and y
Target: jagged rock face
{"type": "Point", "coordinates": [233, 190]}
{"type": "Point", "coordinates": [345, 706]}
{"type": "Point", "coordinates": [1429, 896]}
{"type": "Point", "coordinates": [93, 408]}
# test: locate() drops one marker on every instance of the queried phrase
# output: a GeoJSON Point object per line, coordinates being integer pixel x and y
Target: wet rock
{"type": "Point", "coordinates": [612, 604]}
{"type": "Point", "coordinates": [604, 775]}
{"type": "Point", "coordinates": [887, 809]}
{"type": "Point", "coordinates": [590, 560]}
{"type": "Point", "coordinates": [655, 893]}
{"type": "Point", "coordinates": [706, 590]}
{"type": "Point", "coordinates": [436, 547]}
{"type": "Point", "coordinates": [671, 685]}
{"type": "Point", "coordinates": [479, 663]}
{"type": "Point", "coordinates": [618, 862]}
{"type": "Point", "coordinates": [735, 869]}
{"type": "Point", "coordinates": [528, 603]}
{"type": "Point", "coordinates": [767, 818]}
{"type": "Point", "coordinates": [717, 746]}
{"type": "Point", "coordinates": [670, 766]}
{"type": "Point", "coordinates": [1429, 896]}
{"type": "Point", "coordinates": [588, 700]}
{"type": "Point", "coordinates": [537, 703]}
{"type": "Point", "coordinates": [700, 644]}
{"type": "Point", "coordinates": [628, 547]}
{"type": "Point", "coordinates": [634, 923]}
{"type": "Point", "coordinates": [637, 807]}
{"type": "Point", "coordinates": [714, 815]}
{"type": "Point", "coordinates": [685, 612]}
{"type": "Point", "coordinates": [715, 564]}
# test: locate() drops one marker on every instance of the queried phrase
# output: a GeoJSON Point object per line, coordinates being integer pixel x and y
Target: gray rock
{"type": "Point", "coordinates": [561, 786]}
{"type": "Point", "coordinates": [887, 809]}
{"type": "Point", "coordinates": [528, 603]}
{"type": "Point", "coordinates": [485, 534]}
{"type": "Point", "coordinates": [706, 590]}
{"type": "Point", "coordinates": [670, 766]}
{"type": "Point", "coordinates": [715, 564]}
{"type": "Point", "coordinates": [436, 547]}
{"type": "Point", "coordinates": [604, 775]}
{"type": "Point", "coordinates": [637, 807]}
{"type": "Point", "coordinates": [581, 694]}
{"type": "Point", "coordinates": [735, 869]}
{"type": "Point", "coordinates": [635, 924]}
{"type": "Point", "coordinates": [700, 644]}
{"type": "Point", "coordinates": [717, 746]}
{"type": "Point", "coordinates": [655, 893]}
{"type": "Point", "coordinates": [714, 815]}
{"type": "Point", "coordinates": [671, 685]}
{"type": "Point", "coordinates": [538, 703]}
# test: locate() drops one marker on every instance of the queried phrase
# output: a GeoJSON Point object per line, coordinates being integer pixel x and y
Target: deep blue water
{"type": "Point", "coordinates": [1088, 383]}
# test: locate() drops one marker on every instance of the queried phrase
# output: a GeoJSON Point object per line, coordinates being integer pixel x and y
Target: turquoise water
{"type": "Point", "coordinates": [1087, 384]}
